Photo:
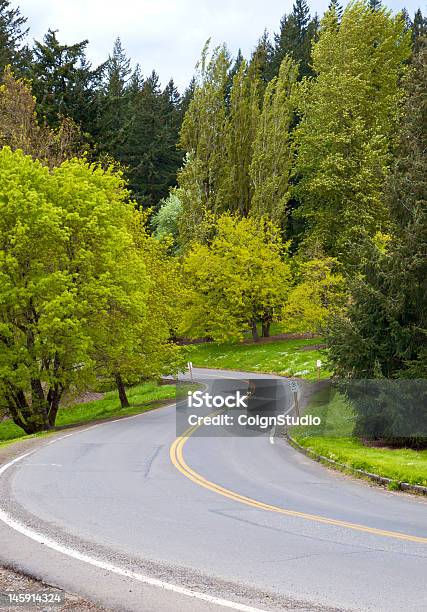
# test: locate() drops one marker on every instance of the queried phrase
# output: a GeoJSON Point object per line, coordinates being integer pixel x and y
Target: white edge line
{"type": "Point", "coordinates": [273, 430]}
{"type": "Point", "coordinates": [75, 554]}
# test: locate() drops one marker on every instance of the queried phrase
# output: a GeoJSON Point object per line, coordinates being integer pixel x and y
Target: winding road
{"type": "Point", "coordinates": [136, 519]}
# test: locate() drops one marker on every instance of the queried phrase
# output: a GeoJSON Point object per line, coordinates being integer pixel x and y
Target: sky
{"type": "Point", "coordinates": [165, 35]}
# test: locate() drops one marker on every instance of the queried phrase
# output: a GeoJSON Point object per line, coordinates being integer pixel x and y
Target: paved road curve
{"type": "Point", "coordinates": [239, 521]}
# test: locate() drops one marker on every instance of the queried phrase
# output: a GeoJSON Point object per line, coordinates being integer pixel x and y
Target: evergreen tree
{"type": "Point", "coordinates": [346, 133]}
{"type": "Point", "coordinates": [419, 30]}
{"type": "Point", "coordinates": [297, 33]}
{"type": "Point", "coordinates": [138, 125]}
{"type": "Point", "coordinates": [375, 5]}
{"type": "Point", "coordinates": [13, 31]}
{"type": "Point", "coordinates": [63, 81]}
{"type": "Point", "coordinates": [272, 159]}
{"type": "Point", "coordinates": [186, 97]}
{"type": "Point", "coordinates": [148, 143]}
{"type": "Point", "coordinates": [111, 102]}
{"type": "Point", "coordinates": [261, 64]}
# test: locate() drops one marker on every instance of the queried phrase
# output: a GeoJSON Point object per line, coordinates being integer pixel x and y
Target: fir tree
{"type": "Point", "coordinates": [148, 143]}
{"type": "Point", "coordinates": [297, 33]}
{"type": "Point", "coordinates": [375, 5]}
{"type": "Point", "coordinates": [111, 102]}
{"type": "Point", "coordinates": [13, 31]}
{"type": "Point", "coordinates": [64, 83]}
{"type": "Point", "coordinates": [419, 30]}
{"type": "Point", "coordinates": [261, 64]}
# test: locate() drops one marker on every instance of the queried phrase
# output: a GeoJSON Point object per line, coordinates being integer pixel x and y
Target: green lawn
{"type": "Point", "coordinates": [284, 357]}
{"type": "Point", "coordinates": [334, 439]}
{"type": "Point", "coordinates": [141, 397]}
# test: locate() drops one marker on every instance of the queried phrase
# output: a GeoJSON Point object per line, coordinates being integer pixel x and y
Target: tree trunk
{"type": "Point", "coordinates": [54, 397]}
{"type": "Point", "coordinates": [266, 329]}
{"type": "Point", "coordinates": [255, 335]}
{"type": "Point", "coordinates": [122, 391]}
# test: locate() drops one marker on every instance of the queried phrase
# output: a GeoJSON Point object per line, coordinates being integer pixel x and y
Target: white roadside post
{"type": "Point", "coordinates": [319, 365]}
{"type": "Point", "coordinates": [190, 370]}
{"type": "Point", "coordinates": [294, 389]}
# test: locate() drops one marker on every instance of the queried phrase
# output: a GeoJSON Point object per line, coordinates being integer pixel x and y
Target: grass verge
{"type": "Point", "coordinates": [284, 357]}
{"type": "Point", "coordinates": [333, 439]}
{"type": "Point", "coordinates": [142, 398]}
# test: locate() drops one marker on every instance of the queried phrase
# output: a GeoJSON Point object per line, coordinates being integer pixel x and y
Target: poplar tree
{"type": "Point", "coordinates": [383, 332]}
{"type": "Point", "coordinates": [203, 138]}
{"type": "Point", "coordinates": [241, 127]}
{"type": "Point", "coordinates": [349, 117]}
{"type": "Point", "coordinates": [272, 158]}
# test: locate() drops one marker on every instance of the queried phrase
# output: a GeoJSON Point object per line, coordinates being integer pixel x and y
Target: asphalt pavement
{"type": "Point", "coordinates": [128, 516]}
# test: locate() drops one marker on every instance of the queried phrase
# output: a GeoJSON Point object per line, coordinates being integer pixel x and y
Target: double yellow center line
{"type": "Point", "coordinates": [177, 458]}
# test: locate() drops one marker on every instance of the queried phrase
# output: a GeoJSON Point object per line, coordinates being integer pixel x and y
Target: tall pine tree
{"type": "Point", "coordinates": [64, 82]}
{"type": "Point", "coordinates": [297, 33]}
{"type": "Point", "coordinates": [13, 31]}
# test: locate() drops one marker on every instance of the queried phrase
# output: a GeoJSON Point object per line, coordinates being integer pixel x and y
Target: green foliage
{"type": "Point", "coordinates": [318, 295]}
{"type": "Point", "coordinates": [75, 291]}
{"type": "Point", "coordinates": [165, 221]}
{"type": "Point", "coordinates": [349, 115]}
{"type": "Point", "coordinates": [236, 280]}
{"type": "Point", "coordinates": [203, 138]}
{"type": "Point", "coordinates": [383, 332]}
{"type": "Point", "coordinates": [137, 124]}
{"type": "Point", "coordinates": [272, 158]}
{"type": "Point", "coordinates": [147, 139]}
{"type": "Point", "coordinates": [419, 30]}
{"type": "Point", "coordinates": [261, 64]}
{"type": "Point", "coordinates": [241, 127]}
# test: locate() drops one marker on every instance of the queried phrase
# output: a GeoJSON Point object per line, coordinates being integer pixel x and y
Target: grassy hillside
{"type": "Point", "coordinates": [284, 357]}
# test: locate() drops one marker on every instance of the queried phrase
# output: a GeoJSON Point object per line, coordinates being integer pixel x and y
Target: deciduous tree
{"type": "Point", "coordinates": [345, 138]}
{"type": "Point", "coordinates": [20, 129]}
{"type": "Point", "coordinates": [238, 280]}
{"type": "Point", "coordinates": [272, 159]}
{"type": "Point", "coordinates": [318, 295]}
